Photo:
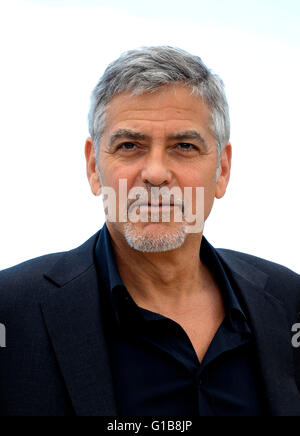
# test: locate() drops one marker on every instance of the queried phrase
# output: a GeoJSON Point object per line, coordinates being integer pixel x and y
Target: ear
{"type": "Point", "coordinates": [224, 171]}
{"type": "Point", "coordinates": [91, 167]}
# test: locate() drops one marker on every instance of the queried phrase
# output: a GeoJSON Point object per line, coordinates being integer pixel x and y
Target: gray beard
{"type": "Point", "coordinates": [154, 244]}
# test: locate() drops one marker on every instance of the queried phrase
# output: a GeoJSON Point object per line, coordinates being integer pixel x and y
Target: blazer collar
{"type": "Point", "coordinates": [71, 313]}
{"type": "Point", "coordinates": [268, 318]}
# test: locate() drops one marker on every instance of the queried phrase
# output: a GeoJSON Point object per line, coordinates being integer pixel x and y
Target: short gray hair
{"type": "Point", "coordinates": [146, 70]}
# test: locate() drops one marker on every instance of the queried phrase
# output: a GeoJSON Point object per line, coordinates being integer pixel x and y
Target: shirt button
{"type": "Point", "coordinates": [199, 379]}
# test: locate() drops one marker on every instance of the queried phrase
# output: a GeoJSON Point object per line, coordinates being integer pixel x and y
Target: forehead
{"type": "Point", "coordinates": [169, 106]}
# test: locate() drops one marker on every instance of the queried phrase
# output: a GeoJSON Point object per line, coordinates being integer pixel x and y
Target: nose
{"type": "Point", "coordinates": [155, 171]}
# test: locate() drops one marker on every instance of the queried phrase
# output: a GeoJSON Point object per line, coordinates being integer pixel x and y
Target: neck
{"type": "Point", "coordinates": [161, 279]}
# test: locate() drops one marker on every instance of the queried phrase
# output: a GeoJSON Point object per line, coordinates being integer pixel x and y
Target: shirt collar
{"type": "Point", "coordinates": [106, 260]}
{"type": "Point", "coordinates": [110, 275]}
{"type": "Point", "coordinates": [210, 257]}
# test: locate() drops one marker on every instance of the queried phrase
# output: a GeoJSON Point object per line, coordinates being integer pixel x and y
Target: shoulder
{"type": "Point", "coordinates": [27, 278]}
{"type": "Point", "coordinates": [31, 280]}
{"type": "Point", "coordinates": [22, 289]}
{"type": "Point", "coordinates": [281, 281]}
{"type": "Point", "coordinates": [267, 266]}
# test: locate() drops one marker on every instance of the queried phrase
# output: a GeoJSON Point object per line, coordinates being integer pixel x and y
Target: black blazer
{"type": "Point", "coordinates": [56, 360]}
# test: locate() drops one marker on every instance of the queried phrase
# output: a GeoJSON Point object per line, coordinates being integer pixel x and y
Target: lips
{"type": "Point", "coordinates": [156, 204]}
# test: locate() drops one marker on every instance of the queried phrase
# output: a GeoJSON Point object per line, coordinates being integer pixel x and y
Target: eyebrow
{"type": "Point", "coordinates": [126, 134]}
{"type": "Point", "coordinates": [190, 134]}
{"type": "Point", "coordinates": [135, 136]}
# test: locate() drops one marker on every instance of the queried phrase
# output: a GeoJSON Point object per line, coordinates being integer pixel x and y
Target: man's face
{"type": "Point", "coordinates": [161, 139]}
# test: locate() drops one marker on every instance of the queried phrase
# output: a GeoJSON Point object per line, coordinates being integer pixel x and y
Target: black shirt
{"type": "Point", "coordinates": [155, 368]}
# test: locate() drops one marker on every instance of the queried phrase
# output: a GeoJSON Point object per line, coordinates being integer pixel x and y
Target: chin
{"type": "Point", "coordinates": [155, 237]}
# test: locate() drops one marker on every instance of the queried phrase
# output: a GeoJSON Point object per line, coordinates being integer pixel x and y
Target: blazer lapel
{"type": "Point", "coordinates": [73, 317]}
{"type": "Point", "coordinates": [271, 329]}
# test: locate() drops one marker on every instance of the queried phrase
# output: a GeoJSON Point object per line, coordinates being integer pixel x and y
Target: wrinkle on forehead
{"type": "Point", "coordinates": [176, 109]}
{"type": "Point", "coordinates": [177, 98]}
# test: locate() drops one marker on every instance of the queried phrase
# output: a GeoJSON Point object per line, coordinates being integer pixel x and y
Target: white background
{"type": "Point", "coordinates": [52, 55]}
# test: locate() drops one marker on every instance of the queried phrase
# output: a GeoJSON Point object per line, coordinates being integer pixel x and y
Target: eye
{"type": "Point", "coordinates": [127, 146]}
{"type": "Point", "coordinates": [186, 147]}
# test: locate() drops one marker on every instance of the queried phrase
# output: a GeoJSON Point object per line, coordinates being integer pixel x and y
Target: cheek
{"type": "Point", "coordinates": [115, 172]}
{"type": "Point", "coordinates": [201, 178]}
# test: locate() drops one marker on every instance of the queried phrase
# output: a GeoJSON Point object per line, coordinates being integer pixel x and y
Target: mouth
{"type": "Point", "coordinates": [157, 205]}
{"type": "Point", "coordinates": [157, 208]}
{"type": "Point", "coordinates": [160, 204]}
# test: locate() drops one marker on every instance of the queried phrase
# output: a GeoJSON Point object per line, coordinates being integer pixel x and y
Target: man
{"type": "Point", "coordinates": [147, 318]}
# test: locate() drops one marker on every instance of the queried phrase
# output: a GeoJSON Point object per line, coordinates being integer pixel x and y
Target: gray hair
{"type": "Point", "coordinates": [147, 69]}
